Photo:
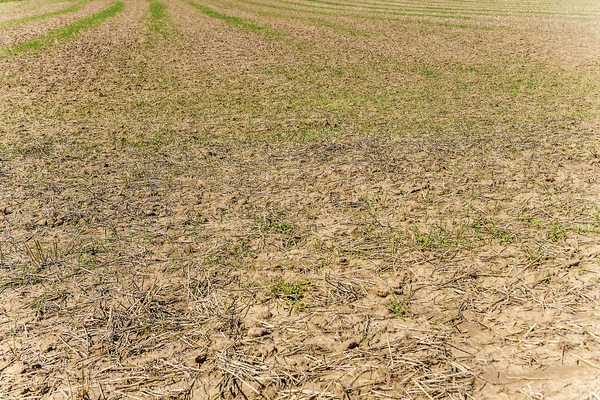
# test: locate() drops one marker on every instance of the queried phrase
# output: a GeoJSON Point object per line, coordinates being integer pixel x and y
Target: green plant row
{"type": "Point", "coordinates": [158, 18]}
{"type": "Point", "coordinates": [409, 16]}
{"type": "Point", "coordinates": [67, 32]}
{"type": "Point", "coordinates": [40, 17]}
{"type": "Point", "coordinates": [238, 22]}
{"type": "Point", "coordinates": [454, 12]}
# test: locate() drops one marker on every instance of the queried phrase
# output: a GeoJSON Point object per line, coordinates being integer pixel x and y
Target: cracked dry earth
{"type": "Point", "coordinates": [276, 199]}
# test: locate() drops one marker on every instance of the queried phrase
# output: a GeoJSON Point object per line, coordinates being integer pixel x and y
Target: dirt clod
{"type": "Point", "coordinates": [201, 358]}
{"type": "Point", "coordinates": [258, 332]}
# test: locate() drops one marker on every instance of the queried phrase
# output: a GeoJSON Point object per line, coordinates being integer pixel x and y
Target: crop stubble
{"type": "Point", "coordinates": [411, 212]}
{"type": "Point", "coordinates": [22, 33]}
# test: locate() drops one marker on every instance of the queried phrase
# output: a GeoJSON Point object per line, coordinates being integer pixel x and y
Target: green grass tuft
{"type": "Point", "coordinates": [291, 290]}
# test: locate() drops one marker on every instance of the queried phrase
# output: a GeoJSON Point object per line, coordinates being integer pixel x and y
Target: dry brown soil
{"type": "Point", "coordinates": [303, 200]}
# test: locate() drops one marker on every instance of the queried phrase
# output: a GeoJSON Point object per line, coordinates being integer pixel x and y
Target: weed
{"type": "Point", "coordinates": [535, 253]}
{"type": "Point", "coordinates": [278, 226]}
{"type": "Point", "coordinates": [503, 234]}
{"type": "Point", "coordinates": [241, 250]}
{"type": "Point", "coordinates": [86, 260]}
{"type": "Point", "coordinates": [536, 222]}
{"type": "Point", "coordinates": [400, 308]}
{"type": "Point", "coordinates": [428, 72]}
{"type": "Point", "coordinates": [291, 291]}
{"type": "Point", "coordinates": [424, 240]}
{"type": "Point", "coordinates": [557, 233]}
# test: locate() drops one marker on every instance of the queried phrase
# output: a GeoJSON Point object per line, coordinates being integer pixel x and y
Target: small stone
{"type": "Point", "coordinates": [350, 344]}
{"type": "Point", "coordinates": [201, 359]}
{"type": "Point", "coordinates": [265, 315]}
{"type": "Point", "coordinates": [258, 332]}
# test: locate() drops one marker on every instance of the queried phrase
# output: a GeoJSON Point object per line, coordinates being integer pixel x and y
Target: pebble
{"type": "Point", "coordinates": [265, 315]}
{"type": "Point", "coordinates": [258, 332]}
{"type": "Point", "coordinates": [201, 359]}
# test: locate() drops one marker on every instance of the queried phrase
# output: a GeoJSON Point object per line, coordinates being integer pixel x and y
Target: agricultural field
{"type": "Point", "coordinates": [299, 199]}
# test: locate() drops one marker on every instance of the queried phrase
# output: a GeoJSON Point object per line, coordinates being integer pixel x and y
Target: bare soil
{"type": "Point", "coordinates": [257, 202]}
